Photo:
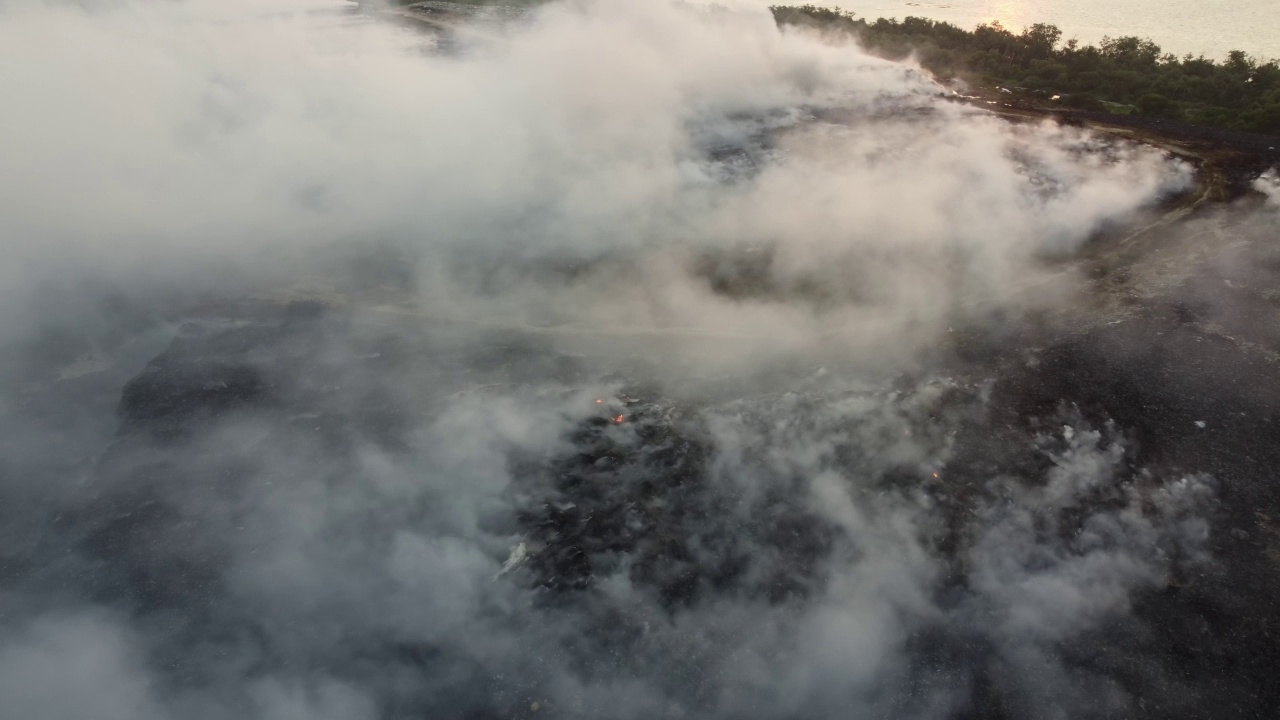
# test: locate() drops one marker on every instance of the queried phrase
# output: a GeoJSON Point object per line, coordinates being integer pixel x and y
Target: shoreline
{"type": "Point", "coordinates": [1235, 158]}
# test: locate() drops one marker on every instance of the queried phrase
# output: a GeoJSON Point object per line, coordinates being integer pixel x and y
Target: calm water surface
{"type": "Point", "coordinates": [1212, 27]}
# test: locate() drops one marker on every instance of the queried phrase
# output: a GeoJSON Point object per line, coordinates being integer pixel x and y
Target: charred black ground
{"type": "Point", "coordinates": [635, 486]}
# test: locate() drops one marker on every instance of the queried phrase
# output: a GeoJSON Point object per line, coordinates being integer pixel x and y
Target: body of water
{"type": "Point", "coordinates": [1212, 27]}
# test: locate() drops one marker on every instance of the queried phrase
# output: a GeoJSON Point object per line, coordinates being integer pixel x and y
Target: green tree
{"type": "Point", "coordinates": [1239, 92]}
{"type": "Point", "coordinates": [1158, 106]}
{"type": "Point", "coordinates": [1263, 120]}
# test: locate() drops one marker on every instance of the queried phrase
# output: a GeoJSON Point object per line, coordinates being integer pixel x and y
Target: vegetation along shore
{"type": "Point", "coordinates": [1122, 75]}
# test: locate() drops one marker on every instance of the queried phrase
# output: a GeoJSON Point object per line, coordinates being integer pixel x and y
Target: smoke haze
{"type": "Point", "coordinates": [592, 366]}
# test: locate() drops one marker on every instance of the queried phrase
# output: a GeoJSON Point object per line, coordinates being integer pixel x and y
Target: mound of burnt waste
{"type": "Point", "coordinates": [498, 530]}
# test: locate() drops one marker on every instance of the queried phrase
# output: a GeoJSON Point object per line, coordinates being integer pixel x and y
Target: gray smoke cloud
{"type": "Point", "coordinates": [613, 391]}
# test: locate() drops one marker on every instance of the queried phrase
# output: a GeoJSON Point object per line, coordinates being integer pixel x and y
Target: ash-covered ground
{"type": "Point", "coordinates": [643, 362]}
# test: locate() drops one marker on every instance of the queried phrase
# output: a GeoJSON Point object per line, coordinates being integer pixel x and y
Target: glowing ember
{"type": "Point", "coordinates": [618, 419]}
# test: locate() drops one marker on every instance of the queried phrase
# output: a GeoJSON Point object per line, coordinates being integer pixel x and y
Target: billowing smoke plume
{"type": "Point", "coordinates": [595, 365]}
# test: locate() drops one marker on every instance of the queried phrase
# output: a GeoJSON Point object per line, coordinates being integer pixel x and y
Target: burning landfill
{"type": "Point", "coordinates": [621, 360]}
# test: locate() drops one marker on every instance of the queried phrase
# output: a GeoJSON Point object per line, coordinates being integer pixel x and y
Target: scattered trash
{"type": "Point", "coordinates": [518, 555]}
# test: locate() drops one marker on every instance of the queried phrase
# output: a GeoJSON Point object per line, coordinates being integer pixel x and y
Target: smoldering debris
{"type": "Point", "coordinates": [642, 362]}
{"type": "Point", "coordinates": [776, 554]}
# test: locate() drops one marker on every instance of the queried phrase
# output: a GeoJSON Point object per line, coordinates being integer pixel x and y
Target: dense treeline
{"type": "Point", "coordinates": [1125, 74]}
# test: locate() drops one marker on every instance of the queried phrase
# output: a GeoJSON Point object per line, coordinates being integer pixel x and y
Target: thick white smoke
{"type": "Point", "coordinates": [254, 138]}
{"type": "Point", "coordinates": [399, 528]}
